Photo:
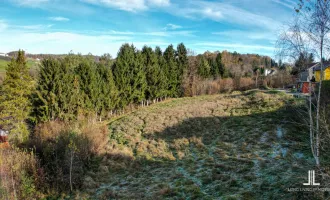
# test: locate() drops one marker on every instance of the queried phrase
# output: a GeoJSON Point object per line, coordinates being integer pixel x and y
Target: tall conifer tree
{"type": "Point", "coordinates": [182, 62]}
{"type": "Point", "coordinates": [171, 71]}
{"type": "Point", "coordinates": [15, 105]}
{"type": "Point", "coordinates": [163, 81]}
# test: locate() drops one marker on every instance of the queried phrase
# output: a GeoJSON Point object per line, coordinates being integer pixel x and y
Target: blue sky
{"type": "Point", "coordinates": [102, 26]}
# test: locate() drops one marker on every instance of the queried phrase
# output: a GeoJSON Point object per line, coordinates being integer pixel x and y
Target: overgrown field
{"type": "Point", "coordinates": [237, 146]}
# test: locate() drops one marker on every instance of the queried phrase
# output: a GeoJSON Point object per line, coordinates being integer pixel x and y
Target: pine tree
{"type": "Point", "coordinates": [214, 69]}
{"type": "Point", "coordinates": [129, 75]}
{"type": "Point", "coordinates": [162, 90]}
{"type": "Point", "coordinates": [108, 90]}
{"type": "Point", "coordinates": [138, 81]}
{"type": "Point", "coordinates": [69, 94]}
{"type": "Point", "coordinates": [57, 94]}
{"type": "Point", "coordinates": [172, 71]}
{"type": "Point", "coordinates": [122, 74]}
{"type": "Point", "coordinates": [15, 105]}
{"type": "Point", "coordinates": [203, 67]}
{"type": "Point", "coordinates": [220, 65]}
{"type": "Point", "coordinates": [182, 62]}
{"type": "Point", "coordinates": [46, 96]}
{"type": "Point", "coordinates": [87, 77]}
{"type": "Point", "coordinates": [152, 69]}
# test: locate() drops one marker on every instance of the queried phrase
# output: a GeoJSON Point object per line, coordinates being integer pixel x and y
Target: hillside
{"type": "Point", "coordinates": [238, 146]}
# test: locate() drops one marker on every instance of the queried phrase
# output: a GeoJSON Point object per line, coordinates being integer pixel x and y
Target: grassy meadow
{"type": "Point", "coordinates": [230, 146]}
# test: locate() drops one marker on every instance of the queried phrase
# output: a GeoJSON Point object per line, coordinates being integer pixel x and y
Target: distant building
{"type": "Point", "coordinates": [326, 71]}
{"type": "Point", "coordinates": [270, 72]}
{"type": "Point", "coordinates": [3, 54]}
{"type": "Point", "coordinates": [305, 77]}
{"type": "Point", "coordinates": [3, 136]}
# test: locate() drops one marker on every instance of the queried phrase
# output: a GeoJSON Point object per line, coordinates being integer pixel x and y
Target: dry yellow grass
{"type": "Point", "coordinates": [205, 147]}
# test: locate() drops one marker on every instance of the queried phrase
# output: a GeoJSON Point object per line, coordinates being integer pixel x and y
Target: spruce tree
{"type": "Point", "coordinates": [162, 90]}
{"type": "Point", "coordinates": [204, 68]}
{"type": "Point", "coordinates": [129, 75]}
{"type": "Point", "coordinates": [88, 83]}
{"type": "Point", "coordinates": [154, 74]}
{"type": "Point", "coordinates": [220, 65]}
{"type": "Point", "coordinates": [108, 90]}
{"type": "Point", "coordinates": [171, 71]}
{"type": "Point", "coordinates": [182, 63]}
{"type": "Point", "coordinates": [122, 74]}
{"type": "Point", "coordinates": [69, 94]}
{"type": "Point", "coordinates": [45, 102]}
{"type": "Point", "coordinates": [214, 69]}
{"type": "Point", "coordinates": [138, 81]}
{"type": "Point", "coordinates": [15, 105]}
{"type": "Point", "coordinates": [57, 94]}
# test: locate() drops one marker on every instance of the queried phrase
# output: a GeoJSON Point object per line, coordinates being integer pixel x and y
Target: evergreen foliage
{"type": "Point", "coordinates": [15, 105]}
{"type": "Point", "coordinates": [154, 74]}
{"type": "Point", "coordinates": [182, 64]}
{"type": "Point", "coordinates": [204, 68]}
{"type": "Point", "coordinates": [171, 71]}
{"type": "Point", "coordinates": [163, 81]}
{"type": "Point", "coordinates": [220, 66]}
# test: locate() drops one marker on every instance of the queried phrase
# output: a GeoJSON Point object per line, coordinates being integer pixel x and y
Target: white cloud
{"type": "Point", "coordinates": [248, 34]}
{"type": "Point", "coordinates": [159, 2]}
{"type": "Point", "coordinates": [153, 33]}
{"type": "Point", "coordinates": [61, 42]}
{"type": "Point", "coordinates": [172, 27]}
{"type": "Point", "coordinates": [30, 3]}
{"type": "Point", "coordinates": [59, 19]}
{"type": "Point", "coordinates": [127, 5]}
{"type": "Point", "coordinates": [33, 27]}
{"type": "Point", "coordinates": [286, 3]}
{"type": "Point", "coordinates": [130, 5]}
{"type": "Point", "coordinates": [212, 14]}
{"type": "Point", "coordinates": [223, 12]}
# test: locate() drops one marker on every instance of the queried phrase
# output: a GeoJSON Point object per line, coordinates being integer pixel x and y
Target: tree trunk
{"type": "Point", "coordinates": [71, 163]}
{"type": "Point", "coordinates": [311, 123]}
{"type": "Point", "coordinates": [318, 109]}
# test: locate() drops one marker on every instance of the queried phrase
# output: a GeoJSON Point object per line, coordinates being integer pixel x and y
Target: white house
{"type": "Point", "coordinates": [270, 72]}
{"type": "Point", "coordinates": [3, 54]}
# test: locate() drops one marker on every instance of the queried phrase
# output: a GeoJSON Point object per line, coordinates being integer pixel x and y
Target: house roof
{"type": "Point", "coordinates": [325, 66]}
{"type": "Point", "coordinates": [312, 65]}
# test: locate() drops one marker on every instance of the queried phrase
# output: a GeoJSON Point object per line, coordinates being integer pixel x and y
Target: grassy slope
{"type": "Point", "coordinates": [230, 146]}
{"type": "Point", "coordinates": [3, 65]}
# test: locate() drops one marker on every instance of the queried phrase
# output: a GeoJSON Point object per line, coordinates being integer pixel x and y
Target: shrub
{"type": "Point", "coordinates": [246, 84]}
{"type": "Point", "coordinates": [226, 85]}
{"type": "Point", "coordinates": [64, 158]}
{"type": "Point", "coordinates": [20, 175]}
{"type": "Point", "coordinates": [66, 151]}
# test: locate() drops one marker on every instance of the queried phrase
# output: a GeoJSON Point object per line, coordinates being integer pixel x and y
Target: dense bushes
{"type": "Point", "coordinates": [66, 151]}
{"type": "Point", "coordinates": [20, 175]}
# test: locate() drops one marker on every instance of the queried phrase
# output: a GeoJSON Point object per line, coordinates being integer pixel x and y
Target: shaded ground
{"type": "Point", "coordinates": [239, 146]}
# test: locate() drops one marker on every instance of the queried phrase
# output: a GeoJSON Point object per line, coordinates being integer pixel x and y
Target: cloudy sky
{"type": "Point", "coordinates": [101, 26]}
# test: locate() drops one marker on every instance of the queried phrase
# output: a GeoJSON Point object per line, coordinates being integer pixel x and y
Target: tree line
{"type": "Point", "coordinates": [73, 85]}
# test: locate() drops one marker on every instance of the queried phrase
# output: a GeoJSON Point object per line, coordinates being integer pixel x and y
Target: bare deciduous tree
{"type": "Point", "coordinates": [309, 33]}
